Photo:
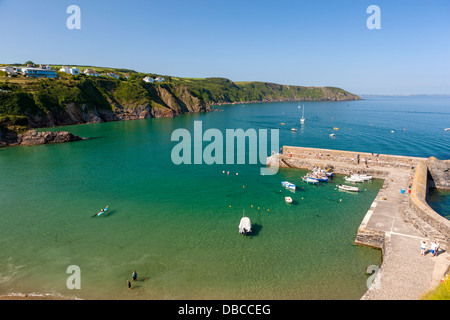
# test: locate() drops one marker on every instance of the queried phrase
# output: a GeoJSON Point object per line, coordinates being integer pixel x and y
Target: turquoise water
{"type": "Point", "coordinates": [177, 226]}
{"type": "Point", "coordinates": [439, 200]}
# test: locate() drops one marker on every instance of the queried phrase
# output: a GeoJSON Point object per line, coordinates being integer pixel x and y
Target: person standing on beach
{"type": "Point", "coordinates": [433, 248]}
{"type": "Point", "coordinates": [134, 275]}
{"type": "Point", "coordinates": [357, 158]}
{"type": "Point", "coordinates": [129, 284]}
{"type": "Point", "coordinates": [423, 248]}
{"type": "Point", "coordinates": [437, 248]}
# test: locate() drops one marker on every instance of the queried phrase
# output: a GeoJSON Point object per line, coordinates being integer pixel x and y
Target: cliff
{"type": "Point", "coordinates": [34, 103]}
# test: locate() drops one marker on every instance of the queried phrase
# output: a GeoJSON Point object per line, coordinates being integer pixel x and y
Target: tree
{"type": "Point", "coordinates": [29, 62]}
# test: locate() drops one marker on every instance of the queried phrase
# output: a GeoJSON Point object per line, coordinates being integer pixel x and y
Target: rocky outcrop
{"type": "Point", "coordinates": [33, 137]}
{"type": "Point", "coordinates": [439, 173]}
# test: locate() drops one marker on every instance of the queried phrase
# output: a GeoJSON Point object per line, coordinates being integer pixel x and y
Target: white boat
{"type": "Point", "coordinates": [310, 180]}
{"type": "Point", "coordinates": [447, 129]}
{"type": "Point", "coordinates": [288, 199]}
{"type": "Point", "coordinates": [361, 176]}
{"type": "Point", "coordinates": [294, 130]}
{"type": "Point", "coordinates": [302, 120]}
{"type": "Point", "coordinates": [332, 135]}
{"type": "Point", "coordinates": [353, 179]}
{"type": "Point", "coordinates": [347, 188]}
{"type": "Point", "coordinates": [288, 185]}
{"type": "Point", "coordinates": [245, 226]}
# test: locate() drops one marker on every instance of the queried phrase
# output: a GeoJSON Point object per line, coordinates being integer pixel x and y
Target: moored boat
{"type": "Point", "coordinates": [310, 180]}
{"type": "Point", "coordinates": [288, 199]}
{"type": "Point", "coordinates": [353, 179]}
{"type": "Point", "coordinates": [348, 188]}
{"type": "Point", "coordinates": [245, 226]}
{"type": "Point", "coordinates": [363, 177]}
{"type": "Point", "coordinates": [288, 185]}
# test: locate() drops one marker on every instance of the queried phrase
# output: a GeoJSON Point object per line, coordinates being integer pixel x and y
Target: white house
{"type": "Point", "coordinates": [91, 72]}
{"type": "Point", "coordinates": [160, 79]}
{"type": "Point", "coordinates": [64, 69]}
{"type": "Point", "coordinates": [8, 70]}
{"type": "Point", "coordinates": [73, 71]}
{"type": "Point", "coordinates": [148, 79]}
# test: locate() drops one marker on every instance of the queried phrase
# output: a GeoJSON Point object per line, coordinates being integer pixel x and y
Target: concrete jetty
{"type": "Point", "coordinates": [396, 222]}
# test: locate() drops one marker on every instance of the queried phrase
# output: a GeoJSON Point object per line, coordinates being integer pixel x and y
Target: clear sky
{"type": "Point", "coordinates": [309, 43]}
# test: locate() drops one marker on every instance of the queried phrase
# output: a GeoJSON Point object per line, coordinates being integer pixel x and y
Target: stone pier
{"type": "Point", "coordinates": [395, 223]}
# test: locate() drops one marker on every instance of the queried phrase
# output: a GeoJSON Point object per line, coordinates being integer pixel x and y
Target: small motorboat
{"type": "Point", "coordinates": [288, 199]}
{"type": "Point", "coordinates": [310, 180]}
{"type": "Point", "coordinates": [294, 130]}
{"type": "Point", "coordinates": [245, 226]}
{"type": "Point", "coordinates": [288, 185]}
{"type": "Point", "coordinates": [363, 177]}
{"type": "Point", "coordinates": [347, 188]}
{"type": "Point", "coordinates": [353, 179]}
{"type": "Point", "coordinates": [332, 135]}
{"type": "Point", "coordinates": [322, 178]}
{"type": "Point", "coordinates": [447, 129]}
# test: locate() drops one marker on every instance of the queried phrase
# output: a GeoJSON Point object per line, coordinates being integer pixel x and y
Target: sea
{"type": "Point", "coordinates": [176, 225]}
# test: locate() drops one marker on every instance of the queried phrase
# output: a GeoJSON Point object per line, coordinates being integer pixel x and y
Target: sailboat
{"type": "Point", "coordinates": [302, 120]}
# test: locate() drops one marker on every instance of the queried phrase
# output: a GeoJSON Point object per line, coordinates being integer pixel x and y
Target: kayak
{"type": "Point", "coordinates": [102, 212]}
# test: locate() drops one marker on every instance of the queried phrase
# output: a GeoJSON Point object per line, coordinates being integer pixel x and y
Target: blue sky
{"type": "Point", "coordinates": [309, 43]}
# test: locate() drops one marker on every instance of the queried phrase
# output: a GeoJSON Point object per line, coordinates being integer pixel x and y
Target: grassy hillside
{"type": "Point", "coordinates": [48, 102]}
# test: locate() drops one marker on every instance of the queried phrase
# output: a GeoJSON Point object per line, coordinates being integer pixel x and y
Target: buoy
{"type": "Point", "coordinates": [228, 172]}
{"type": "Point", "coordinates": [230, 206]}
{"type": "Point", "coordinates": [251, 206]}
{"type": "Point", "coordinates": [223, 171]}
{"type": "Point", "coordinates": [243, 186]}
{"type": "Point", "coordinates": [258, 208]}
{"type": "Point", "coordinates": [268, 210]}
{"type": "Point", "coordinates": [237, 173]}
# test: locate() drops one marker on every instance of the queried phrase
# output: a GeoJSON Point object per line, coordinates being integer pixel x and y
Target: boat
{"type": "Point", "coordinates": [294, 130]}
{"type": "Point", "coordinates": [302, 120]}
{"type": "Point", "coordinates": [447, 129]}
{"type": "Point", "coordinates": [282, 123]}
{"type": "Point", "coordinates": [347, 188]}
{"type": "Point", "coordinates": [102, 211]}
{"type": "Point", "coordinates": [288, 185]}
{"type": "Point", "coordinates": [321, 179]}
{"type": "Point", "coordinates": [288, 199]}
{"type": "Point", "coordinates": [353, 179]}
{"type": "Point", "coordinates": [361, 176]}
{"type": "Point", "coordinates": [245, 226]}
{"type": "Point", "coordinates": [332, 135]}
{"type": "Point", "coordinates": [310, 180]}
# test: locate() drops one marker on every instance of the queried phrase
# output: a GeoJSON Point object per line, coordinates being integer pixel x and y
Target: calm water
{"type": "Point", "coordinates": [439, 200]}
{"type": "Point", "coordinates": [177, 226]}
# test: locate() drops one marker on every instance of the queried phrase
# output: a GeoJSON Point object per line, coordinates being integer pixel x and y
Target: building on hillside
{"type": "Point", "coordinates": [73, 71]}
{"type": "Point", "coordinates": [91, 72]}
{"type": "Point", "coordinates": [148, 79]}
{"type": "Point", "coordinates": [9, 70]}
{"type": "Point", "coordinates": [160, 79]}
{"type": "Point", "coordinates": [38, 73]}
{"type": "Point", "coordinates": [45, 67]}
{"type": "Point", "coordinates": [113, 75]}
